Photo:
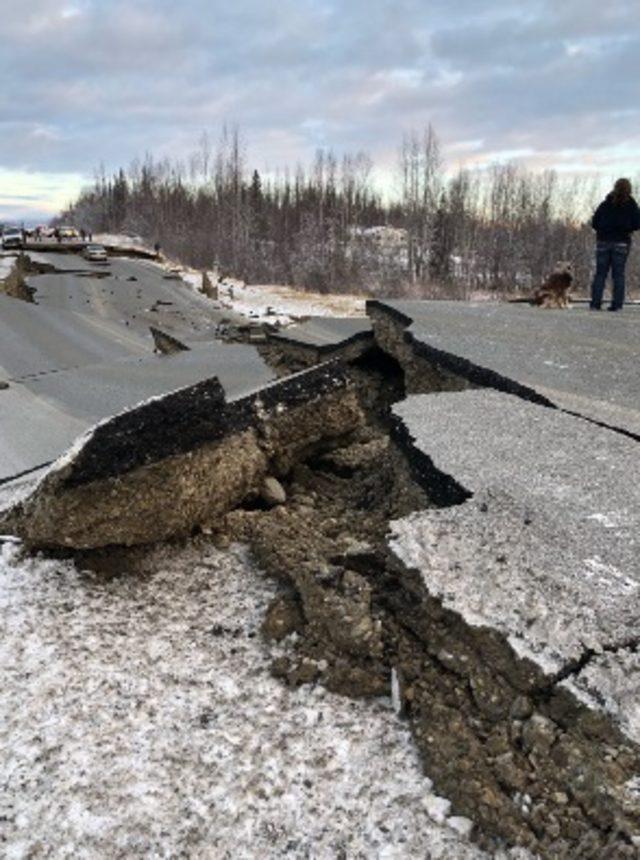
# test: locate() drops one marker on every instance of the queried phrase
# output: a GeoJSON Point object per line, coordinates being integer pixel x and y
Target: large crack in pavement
{"type": "Point", "coordinates": [431, 368]}
{"type": "Point", "coordinates": [518, 750]}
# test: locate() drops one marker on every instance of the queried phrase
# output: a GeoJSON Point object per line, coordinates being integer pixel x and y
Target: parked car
{"type": "Point", "coordinates": [68, 233]}
{"type": "Point", "coordinates": [12, 238]}
{"type": "Point", "coordinates": [95, 253]}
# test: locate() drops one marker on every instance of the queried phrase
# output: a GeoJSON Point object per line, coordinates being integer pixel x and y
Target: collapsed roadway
{"type": "Point", "coordinates": [450, 506]}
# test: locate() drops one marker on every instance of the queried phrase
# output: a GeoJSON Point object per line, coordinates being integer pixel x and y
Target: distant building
{"type": "Point", "coordinates": [382, 235]}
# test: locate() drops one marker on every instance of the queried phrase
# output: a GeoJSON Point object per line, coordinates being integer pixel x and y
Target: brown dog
{"type": "Point", "coordinates": [554, 293]}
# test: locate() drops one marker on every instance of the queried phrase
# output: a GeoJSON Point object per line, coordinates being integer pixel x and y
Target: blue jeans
{"type": "Point", "coordinates": [609, 256]}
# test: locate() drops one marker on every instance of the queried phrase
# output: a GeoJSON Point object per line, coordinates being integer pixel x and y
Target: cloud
{"type": "Point", "coordinates": [35, 196]}
{"type": "Point", "coordinates": [87, 82]}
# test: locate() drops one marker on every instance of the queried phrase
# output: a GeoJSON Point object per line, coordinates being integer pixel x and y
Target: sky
{"type": "Point", "coordinates": [551, 83]}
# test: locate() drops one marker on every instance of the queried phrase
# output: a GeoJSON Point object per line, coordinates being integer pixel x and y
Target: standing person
{"type": "Point", "coordinates": [615, 219]}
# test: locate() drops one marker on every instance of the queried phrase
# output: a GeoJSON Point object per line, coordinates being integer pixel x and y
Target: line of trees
{"type": "Point", "coordinates": [328, 227]}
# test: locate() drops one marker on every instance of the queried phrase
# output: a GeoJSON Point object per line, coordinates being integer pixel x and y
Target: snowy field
{"type": "Point", "coordinates": [139, 719]}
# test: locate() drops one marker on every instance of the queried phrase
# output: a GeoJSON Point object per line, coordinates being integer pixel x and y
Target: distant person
{"type": "Point", "coordinates": [83, 234]}
{"type": "Point", "coordinates": [615, 219]}
{"type": "Point", "coordinates": [156, 248]}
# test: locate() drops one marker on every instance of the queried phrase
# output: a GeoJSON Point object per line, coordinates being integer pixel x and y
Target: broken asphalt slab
{"type": "Point", "coordinates": [42, 415]}
{"type": "Point", "coordinates": [546, 549]}
{"type": "Point", "coordinates": [578, 360]}
{"type": "Point", "coordinates": [325, 334]}
{"type": "Point", "coordinates": [181, 461]}
{"type": "Point", "coordinates": [525, 590]}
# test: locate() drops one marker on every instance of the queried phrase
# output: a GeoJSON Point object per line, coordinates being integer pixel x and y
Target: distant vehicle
{"type": "Point", "coordinates": [68, 233]}
{"type": "Point", "coordinates": [12, 238]}
{"type": "Point", "coordinates": [95, 253]}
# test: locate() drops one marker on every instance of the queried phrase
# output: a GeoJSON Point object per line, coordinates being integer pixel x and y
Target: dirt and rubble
{"type": "Point", "coordinates": [13, 278]}
{"type": "Point", "coordinates": [178, 462]}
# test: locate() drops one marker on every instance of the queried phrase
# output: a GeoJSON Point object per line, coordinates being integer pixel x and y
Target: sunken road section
{"type": "Point", "coordinates": [507, 612]}
{"type": "Point", "coordinates": [320, 339]}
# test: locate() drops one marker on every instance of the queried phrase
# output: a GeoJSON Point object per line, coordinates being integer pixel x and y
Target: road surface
{"type": "Point", "coordinates": [579, 360]}
{"type": "Point", "coordinates": [84, 352]}
{"type": "Point", "coordinates": [132, 293]}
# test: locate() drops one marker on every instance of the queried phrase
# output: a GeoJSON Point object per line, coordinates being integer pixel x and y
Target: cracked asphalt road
{"type": "Point", "coordinates": [83, 352]}
{"type": "Point", "coordinates": [581, 361]}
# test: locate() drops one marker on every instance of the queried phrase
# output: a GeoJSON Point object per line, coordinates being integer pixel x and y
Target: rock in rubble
{"type": "Point", "coordinates": [283, 617]}
{"type": "Point", "coordinates": [272, 492]}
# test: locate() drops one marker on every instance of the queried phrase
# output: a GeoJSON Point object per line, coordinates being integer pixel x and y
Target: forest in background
{"type": "Point", "coordinates": [327, 227]}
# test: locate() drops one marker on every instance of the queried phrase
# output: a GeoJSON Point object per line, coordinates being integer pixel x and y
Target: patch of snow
{"type": "Point", "coordinates": [274, 303]}
{"type": "Point", "coordinates": [7, 263]}
{"type": "Point", "coordinates": [139, 719]}
{"type": "Point", "coordinates": [396, 699]}
{"type": "Point", "coordinates": [193, 279]}
{"type": "Point", "coordinates": [610, 520]}
{"type": "Point", "coordinates": [121, 240]}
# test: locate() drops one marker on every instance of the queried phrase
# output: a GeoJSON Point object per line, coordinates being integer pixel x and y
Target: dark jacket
{"type": "Point", "coordinates": [616, 222]}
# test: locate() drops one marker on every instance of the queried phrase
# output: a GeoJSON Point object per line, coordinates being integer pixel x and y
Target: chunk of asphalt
{"type": "Point", "coordinates": [182, 461]}
{"type": "Point", "coordinates": [527, 597]}
{"type": "Point", "coordinates": [166, 343]}
{"type": "Point", "coordinates": [322, 338]}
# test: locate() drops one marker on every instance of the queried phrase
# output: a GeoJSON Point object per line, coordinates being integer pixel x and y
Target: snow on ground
{"type": "Point", "coordinates": [276, 303]}
{"type": "Point", "coordinates": [286, 304]}
{"type": "Point", "coordinates": [139, 719]}
{"type": "Point", "coordinates": [7, 262]}
{"type": "Point", "coordinates": [120, 240]}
